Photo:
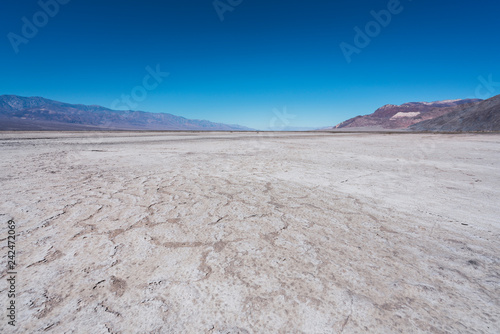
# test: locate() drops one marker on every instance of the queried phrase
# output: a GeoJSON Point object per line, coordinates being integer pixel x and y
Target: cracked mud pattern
{"type": "Point", "coordinates": [245, 233]}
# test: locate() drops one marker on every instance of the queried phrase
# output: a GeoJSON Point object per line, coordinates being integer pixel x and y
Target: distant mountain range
{"type": "Point", "coordinates": [39, 114]}
{"type": "Point", "coordinates": [401, 117]}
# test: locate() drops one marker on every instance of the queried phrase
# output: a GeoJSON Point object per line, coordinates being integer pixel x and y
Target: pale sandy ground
{"type": "Point", "coordinates": [247, 233]}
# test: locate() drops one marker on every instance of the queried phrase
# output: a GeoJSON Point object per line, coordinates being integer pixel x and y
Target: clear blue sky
{"type": "Point", "coordinates": [264, 55]}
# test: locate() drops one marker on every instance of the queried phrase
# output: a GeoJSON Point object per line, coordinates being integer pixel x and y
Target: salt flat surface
{"type": "Point", "coordinates": [252, 233]}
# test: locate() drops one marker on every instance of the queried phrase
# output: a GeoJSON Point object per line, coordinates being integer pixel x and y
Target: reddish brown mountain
{"type": "Point", "coordinates": [402, 116]}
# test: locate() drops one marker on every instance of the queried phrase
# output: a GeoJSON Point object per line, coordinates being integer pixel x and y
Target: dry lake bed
{"type": "Point", "coordinates": [250, 233]}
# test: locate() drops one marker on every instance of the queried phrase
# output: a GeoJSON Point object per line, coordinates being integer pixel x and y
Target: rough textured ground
{"type": "Point", "coordinates": [247, 233]}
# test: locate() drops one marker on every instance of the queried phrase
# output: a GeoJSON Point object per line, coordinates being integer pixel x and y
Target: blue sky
{"type": "Point", "coordinates": [265, 57]}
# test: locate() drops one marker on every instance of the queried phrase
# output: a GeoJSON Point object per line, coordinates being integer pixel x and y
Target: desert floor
{"type": "Point", "coordinates": [252, 233]}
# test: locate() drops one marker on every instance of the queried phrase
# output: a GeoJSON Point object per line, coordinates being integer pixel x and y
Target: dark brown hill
{"type": "Point", "coordinates": [481, 116]}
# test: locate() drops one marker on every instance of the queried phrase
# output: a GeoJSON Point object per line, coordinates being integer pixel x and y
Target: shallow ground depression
{"type": "Point", "coordinates": [252, 233]}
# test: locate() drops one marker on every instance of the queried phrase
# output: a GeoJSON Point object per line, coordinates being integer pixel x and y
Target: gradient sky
{"type": "Point", "coordinates": [263, 58]}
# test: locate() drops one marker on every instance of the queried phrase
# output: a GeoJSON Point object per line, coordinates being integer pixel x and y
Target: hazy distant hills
{"type": "Point", "coordinates": [480, 116]}
{"type": "Point", "coordinates": [402, 116]}
{"type": "Point", "coordinates": [37, 113]}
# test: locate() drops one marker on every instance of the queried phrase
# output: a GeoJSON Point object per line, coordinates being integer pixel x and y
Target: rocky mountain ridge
{"type": "Point", "coordinates": [38, 113]}
{"type": "Point", "coordinates": [402, 116]}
